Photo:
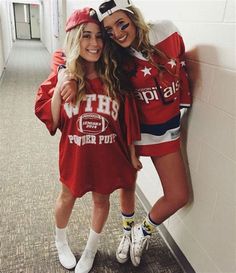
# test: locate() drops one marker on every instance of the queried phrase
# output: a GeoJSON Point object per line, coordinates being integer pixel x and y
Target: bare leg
{"type": "Point", "coordinates": [63, 208]}
{"type": "Point", "coordinates": [127, 200]}
{"type": "Point", "coordinates": [64, 205]}
{"type": "Point", "coordinates": [171, 171]}
{"type": "Point", "coordinates": [101, 206]}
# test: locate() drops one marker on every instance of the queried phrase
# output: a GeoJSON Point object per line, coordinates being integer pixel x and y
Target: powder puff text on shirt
{"type": "Point", "coordinates": [91, 139]}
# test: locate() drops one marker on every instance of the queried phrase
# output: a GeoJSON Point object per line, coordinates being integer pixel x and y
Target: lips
{"type": "Point", "coordinates": [93, 51]}
{"type": "Point", "coordinates": [122, 39]}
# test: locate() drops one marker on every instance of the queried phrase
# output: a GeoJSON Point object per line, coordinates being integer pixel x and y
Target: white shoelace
{"type": "Point", "coordinates": [125, 243]}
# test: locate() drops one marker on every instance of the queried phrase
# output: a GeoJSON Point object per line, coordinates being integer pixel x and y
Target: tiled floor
{"type": "Point", "coordinates": [29, 185]}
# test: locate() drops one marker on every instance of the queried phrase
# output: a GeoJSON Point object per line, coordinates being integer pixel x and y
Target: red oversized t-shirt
{"type": "Point", "coordinates": [93, 151]}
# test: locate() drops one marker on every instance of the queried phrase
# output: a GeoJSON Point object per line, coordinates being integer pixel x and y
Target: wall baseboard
{"type": "Point", "coordinates": [176, 251]}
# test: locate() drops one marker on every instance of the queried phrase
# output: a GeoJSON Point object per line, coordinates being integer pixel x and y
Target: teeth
{"type": "Point", "coordinates": [122, 38]}
{"type": "Point", "coordinates": [93, 51]}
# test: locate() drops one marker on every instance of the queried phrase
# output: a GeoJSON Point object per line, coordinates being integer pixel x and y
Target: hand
{"type": "Point", "coordinates": [69, 90]}
{"type": "Point", "coordinates": [68, 86]}
{"type": "Point", "coordinates": [136, 163]}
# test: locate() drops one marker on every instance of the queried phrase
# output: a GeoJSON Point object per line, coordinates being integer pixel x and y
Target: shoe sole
{"type": "Point", "coordinates": [132, 256]}
{"type": "Point", "coordinates": [68, 267]}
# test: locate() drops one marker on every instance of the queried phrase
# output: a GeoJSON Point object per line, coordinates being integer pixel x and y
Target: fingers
{"type": "Point", "coordinates": [69, 90]}
{"type": "Point", "coordinates": [139, 166]}
{"type": "Point", "coordinates": [69, 98]}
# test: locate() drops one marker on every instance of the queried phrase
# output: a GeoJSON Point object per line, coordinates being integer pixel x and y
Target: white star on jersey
{"type": "Point", "coordinates": [183, 63]}
{"type": "Point", "coordinates": [172, 63]}
{"type": "Point", "coordinates": [146, 71]}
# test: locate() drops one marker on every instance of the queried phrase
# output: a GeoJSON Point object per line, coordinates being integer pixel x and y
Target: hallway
{"type": "Point", "coordinates": [29, 185]}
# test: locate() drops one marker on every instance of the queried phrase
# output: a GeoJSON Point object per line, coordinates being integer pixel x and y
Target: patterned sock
{"type": "Point", "coordinates": [148, 225]}
{"type": "Point", "coordinates": [128, 222]}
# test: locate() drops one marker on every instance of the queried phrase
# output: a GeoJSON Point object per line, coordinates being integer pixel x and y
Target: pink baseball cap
{"type": "Point", "coordinates": [80, 16]}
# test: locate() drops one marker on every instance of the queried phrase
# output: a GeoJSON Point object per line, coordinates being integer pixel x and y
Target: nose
{"type": "Point", "coordinates": [116, 32]}
{"type": "Point", "coordinates": [94, 41]}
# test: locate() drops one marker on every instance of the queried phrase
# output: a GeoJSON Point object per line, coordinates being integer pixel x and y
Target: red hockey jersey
{"type": "Point", "coordinates": [160, 96]}
{"type": "Point", "coordinates": [93, 150]}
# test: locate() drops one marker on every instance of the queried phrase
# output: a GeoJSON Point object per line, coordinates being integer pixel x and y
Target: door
{"type": "Point", "coordinates": [22, 21]}
{"type": "Point", "coordinates": [34, 19]}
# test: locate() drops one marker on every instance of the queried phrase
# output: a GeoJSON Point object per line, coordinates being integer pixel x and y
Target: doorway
{"type": "Point", "coordinates": [27, 23]}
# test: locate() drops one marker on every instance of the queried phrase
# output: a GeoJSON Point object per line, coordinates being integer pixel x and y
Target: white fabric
{"type": "Point", "coordinates": [86, 261]}
{"type": "Point", "coordinates": [65, 255]}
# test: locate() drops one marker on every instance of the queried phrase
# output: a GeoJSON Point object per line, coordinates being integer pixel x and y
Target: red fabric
{"type": "Point", "coordinates": [160, 95]}
{"type": "Point", "coordinates": [78, 17]}
{"type": "Point", "coordinates": [43, 101]}
{"type": "Point", "coordinates": [163, 149]}
{"type": "Point", "coordinates": [93, 152]}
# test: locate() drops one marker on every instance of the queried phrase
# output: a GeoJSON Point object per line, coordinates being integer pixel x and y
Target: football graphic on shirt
{"type": "Point", "coordinates": [91, 123]}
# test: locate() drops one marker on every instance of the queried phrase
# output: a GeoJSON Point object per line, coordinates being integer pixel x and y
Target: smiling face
{"type": "Point", "coordinates": [91, 43]}
{"type": "Point", "coordinates": [120, 28]}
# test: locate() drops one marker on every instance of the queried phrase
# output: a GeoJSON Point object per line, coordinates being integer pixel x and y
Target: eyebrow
{"type": "Point", "coordinates": [121, 18]}
{"type": "Point", "coordinates": [89, 32]}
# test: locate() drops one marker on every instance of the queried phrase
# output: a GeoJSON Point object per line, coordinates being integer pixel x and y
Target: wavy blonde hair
{"type": "Point", "coordinates": [142, 39]}
{"type": "Point", "coordinates": [105, 66]}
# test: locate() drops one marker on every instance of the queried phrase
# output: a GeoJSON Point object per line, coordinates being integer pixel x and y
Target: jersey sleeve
{"type": "Point", "coordinates": [131, 120]}
{"type": "Point", "coordinates": [185, 94]}
{"type": "Point", "coordinates": [45, 92]}
{"type": "Point", "coordinates": [165, 36]}
{"type": "Point", "coordinates": [43, 102]}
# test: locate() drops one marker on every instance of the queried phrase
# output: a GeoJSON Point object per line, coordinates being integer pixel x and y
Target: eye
{"type": "Point", "coordinates": [86, 36]}
{"type": "Point", "coordinates": [123, 25]}
{"type": "Point", "coordinates": [99, 36]}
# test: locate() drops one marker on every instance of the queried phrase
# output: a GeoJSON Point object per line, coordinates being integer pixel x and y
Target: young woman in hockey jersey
{"type": "Point", "coordinates": [157, 72]}
{"type": "Point", "coordinates": [93, 149]}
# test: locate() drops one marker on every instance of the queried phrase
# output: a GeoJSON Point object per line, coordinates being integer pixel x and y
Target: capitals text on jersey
{"type": "Point", "coordinates": [150, 93]}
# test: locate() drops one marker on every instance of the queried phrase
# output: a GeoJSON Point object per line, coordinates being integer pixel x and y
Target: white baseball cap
{"type": "Point", "coordinates": [106, 8]}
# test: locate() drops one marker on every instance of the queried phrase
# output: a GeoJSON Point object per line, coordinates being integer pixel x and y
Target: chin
{"type": "Point", "coordinates": [93, 59]}
{"type": "Point", "coordinates": [125, 44]}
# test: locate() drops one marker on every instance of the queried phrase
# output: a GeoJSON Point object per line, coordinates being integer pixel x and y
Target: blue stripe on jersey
{"type": "Point", "coordinates": [161, 129]}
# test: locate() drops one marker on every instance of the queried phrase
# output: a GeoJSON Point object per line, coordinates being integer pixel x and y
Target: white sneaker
{"type": "Point", "coordinates": [138, 243]}
{"type": "Point", "coordinates": [122, 253]}
{"type": "Point", "coordinates": [66, 257]}
{"type": "Point", "coordinates": [85, 263]}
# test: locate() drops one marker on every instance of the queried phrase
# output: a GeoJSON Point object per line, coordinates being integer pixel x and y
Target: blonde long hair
{"type": "Point", "coordinates": [105, 66]}
{"type": "Point", "coordinates": [143, 41]}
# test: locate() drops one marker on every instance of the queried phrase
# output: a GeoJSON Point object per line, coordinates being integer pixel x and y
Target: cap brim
{"type": "Point", "coordinates": [101, 16]}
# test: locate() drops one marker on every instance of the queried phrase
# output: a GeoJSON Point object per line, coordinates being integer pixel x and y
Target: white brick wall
{"type": "Point", "coordinates": [205, 230]}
